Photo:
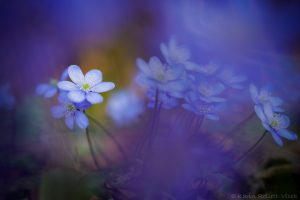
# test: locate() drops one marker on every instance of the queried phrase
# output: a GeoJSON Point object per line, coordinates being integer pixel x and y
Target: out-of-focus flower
{"type": "Point", "coordinates": [164, 100]}
{"type": "Point", "coordinates": [71, 111]}
{"type": "Point", "coordinates": [275, 123]}
{"type": "Point", "coordinates": [265, 97]}
{"type": "Point", "coordinates": [7, 100]}
{"type": "Point", "coordinates": [202, 108]}
{"type": "Point", "coordinates": [50, 89]}
{"type": "Point", "coordinates": [176, 54]}
{"type": "Point", "coordinates": [173, 53]}
{"type": "Point", "coordinates": [85, 87]}
{"type": "Point", "coordinates": [207, 90]}
{"type": "Point", "coordinates": [207, 69]}
{"type": "Point", "coordinates": [229, 79]}
{"type": "Point", "coordinates": [159, 76]}
{"type": "Point", "coordinates": [124, 107]}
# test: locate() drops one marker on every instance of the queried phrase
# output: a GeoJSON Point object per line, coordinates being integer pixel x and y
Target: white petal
{"type": "Point", "coordinates": [259, 112]}
{"type": "Point", "coordinates": [51, 92]}
{"type": "Point", "coordinates": [58, 111]}
{"type": "Point", "coordinates": [268, 110]}
{"type": "Point", "coordinates": [93, 77]}
{"type": "Point", "coordinates": [66, 85]}
{"type": "Point", "coordinates": [76, 96]}
{"type": "Point", "coordinates": [277, 139]}
{"type": "Point", "coordinates": [253, 92]}
{"type": "Point", "coordinates": [288, 134]}
{"type": "Point", "coordinates": [81, 120]}
{"type": "Point", "coordinates": [143, 66]}
{"type": "Point", "coordinates": [42, 88]}
{"type": "Point", "coordinates": [76, 74]}
{"type": "Point", "coordinates": [156, 66]}
{"type": "Point", "coordinates": [69, 121]}
{"type": "Point", "coordinates": [94, 98]}
{"type": "Point", "coordinates": [103, 87]}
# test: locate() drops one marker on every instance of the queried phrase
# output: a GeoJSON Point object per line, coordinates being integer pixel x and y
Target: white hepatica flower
{"type": "Point", "coordinates": [85, 87]}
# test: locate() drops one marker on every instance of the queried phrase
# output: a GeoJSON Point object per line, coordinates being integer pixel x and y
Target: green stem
{"type": "Point", "coordinates": [250, 149]}
{"type": "Point", "coordinates": [118, 145]}
{"type": "Point", "coordinates": [91, 148]}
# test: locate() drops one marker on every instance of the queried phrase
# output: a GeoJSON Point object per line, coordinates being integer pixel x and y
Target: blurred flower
{"type": "Point", "coordinates": [165, 100]}
{"type": "Point", "coordinates": [85, 87]}
{"type": "Point", "coordinates": [207, 69]}
{"type": "Point", "coordinates": [124, 107]}
{"type": "Point", "coordinates": [50, 89]}
{"type": "Point", "coordinates": [275, 123]}
{"type": "Point", "coordinates": [175, 54]}
{"type": "Point", "coordinates": [207, 90]}
{"type": "Point", "coordinates": [265, 97]}
{"type": "Point", "coordinates": [200, 107]}
{"type": "Point", "coordinates": [231, 80]}
{"type": "Point", "coordinates": [71, 111]}
{"type": "Point", "coordinates": [159, 76]}
{"type": "Point", "coordinates": [7, 100]}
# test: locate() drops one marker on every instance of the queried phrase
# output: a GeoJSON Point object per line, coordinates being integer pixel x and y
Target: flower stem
{"type": "Point", "coordinates": [118, 145]}
{"type": "Point", "coordinates": [91, 149]}
{"type": "Point", "coordinates": [250, 149]}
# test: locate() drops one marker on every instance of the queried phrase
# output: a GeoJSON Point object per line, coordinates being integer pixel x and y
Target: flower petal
{"type": "Point", "coordinates": [277, 139]}
{"type": "Point", "coordinates": [94, 98]}
{"type": "Point", "coordinates": [175, 72]}
{"type": "Point", "coordinates": [42, 88]}
{"type": "Point", "coordinates": [253, 92]}
{"type": "Point", "coordinates": [287, 134]}
{"type": "Point", "coordinates": [64, 75]}
{"type": "Point", "coordinates": [103, 87]}
{"type": "Point", "coordinates": [268, 110]}
{"type": "Point", "coordinates": [81, 120]}
{"type": "Point", "coordinates": [67, 86]}
{"type": "Point", "coordinates": [165, 52]}
{"type": "Point", "coordinates": [76, 96]}
{"type": "Point", "coordinates": [76, 74]}
{"type": "Point", "coordinates": [69, 121]}
{"type": "Point", "coordinates": [58, 111]}
{"type": "Point", "coordinates": [259, 112]}
{"type": "Point", "coordinates": [93, 77]}
{"type": "Point", "coordinates": [51, 92]}
{"type": "Point", "coordinates": [156, 66]}
{"type": "Point", "coordinates": [143, 66]}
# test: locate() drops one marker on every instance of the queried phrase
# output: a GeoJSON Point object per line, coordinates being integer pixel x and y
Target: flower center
{"type": "Point", "coordinates": [274, 123]}
{"type": "Point", "coordinates": [161, 77]}
{"type": "Point", "coordinates": [71, 108]}
{"type": "Point", "coordinates": [85, 86]}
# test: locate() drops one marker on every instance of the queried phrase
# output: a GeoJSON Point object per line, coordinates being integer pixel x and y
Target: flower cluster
{"type": "Point", "coordinates": [75, 96]}
{"type": "Point", "coordinates": [268, 109]}
{"type": "Point", "coordinates": [180, 81]}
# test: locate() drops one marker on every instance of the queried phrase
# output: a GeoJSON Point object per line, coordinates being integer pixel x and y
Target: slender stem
{"type": "Point", "coordinates": [118, 145]}
{"type": "Point", "coordinates": [91, 148]}
{"type": "Point", "coordinates": [251, 148]}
